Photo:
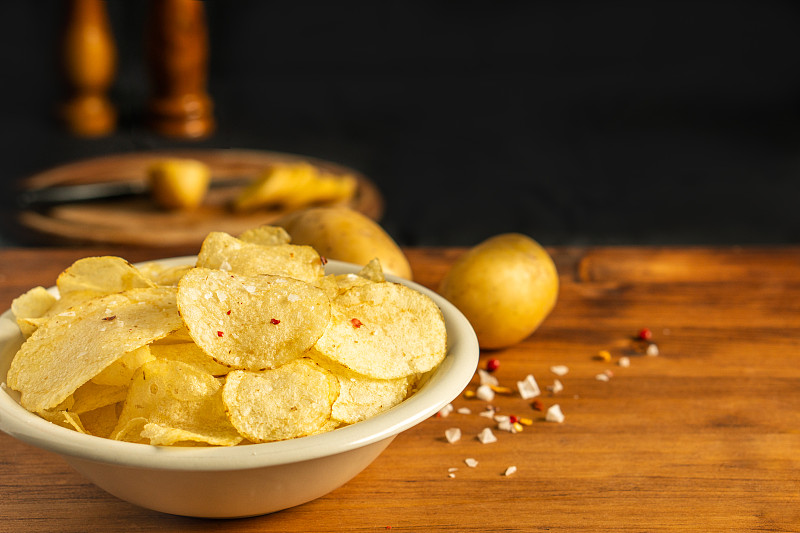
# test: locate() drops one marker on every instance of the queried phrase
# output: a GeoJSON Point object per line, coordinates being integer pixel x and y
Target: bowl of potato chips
{"type": "Point", "coordinates": [250, 378]}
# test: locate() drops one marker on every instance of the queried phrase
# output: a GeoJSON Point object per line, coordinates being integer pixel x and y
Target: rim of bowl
{"type": "Point", "coordinates": [444, 384]}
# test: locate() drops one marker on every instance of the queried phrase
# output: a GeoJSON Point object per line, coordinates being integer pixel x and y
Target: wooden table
{"type": "Point", "coordinates": [703, 437]}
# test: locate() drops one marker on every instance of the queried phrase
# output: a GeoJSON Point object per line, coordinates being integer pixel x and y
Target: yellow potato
{"type": "Point", "coordinates": [179, 183]}
{"type": "Point", "coordinates": [505, 286]}
{"type": "Point", "coordinates": [346, 235]}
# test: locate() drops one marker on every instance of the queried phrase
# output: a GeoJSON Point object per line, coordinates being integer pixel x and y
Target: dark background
{"type": "Point", "coordinates": [574, 122]}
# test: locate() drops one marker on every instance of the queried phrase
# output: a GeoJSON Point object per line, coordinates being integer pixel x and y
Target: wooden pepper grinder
{"type": "Point", "coordinates": [177, 56]}
{"type": "Point", "coordinates": [89, 60]}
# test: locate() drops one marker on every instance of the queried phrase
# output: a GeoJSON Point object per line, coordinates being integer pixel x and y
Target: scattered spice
{"type": "Point", "coordinates": [229, 312]}
{"type": "Point", "coordinates": [645, 334]}
{"type": "Point", "coordinates": [356, 323]}
{"type": "Point", "coordinates": [112, 317]}
{"type": "Point", "coordinates": [500, 390]}
{"type": "Point", "coordinates": [537, 405]}
{"type": "Point", "coordinates": [323, 259]}
{"type": "Point", "coordinates": [492, 365]}
{"type": "Point", "coordinates": [603, 355]}
{"type": "Point", "coordinates": [220, 334]}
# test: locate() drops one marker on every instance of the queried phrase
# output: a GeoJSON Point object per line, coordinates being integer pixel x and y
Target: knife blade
{"type": "Point", "coordinates": [101, 191]}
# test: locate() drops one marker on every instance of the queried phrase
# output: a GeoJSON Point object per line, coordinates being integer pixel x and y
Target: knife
{"type": "Point", "coordinates": [100, 191]}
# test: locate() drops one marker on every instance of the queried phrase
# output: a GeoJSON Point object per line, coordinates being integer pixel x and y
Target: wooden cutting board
{"type": "Point", "coordinates": [139, 221]}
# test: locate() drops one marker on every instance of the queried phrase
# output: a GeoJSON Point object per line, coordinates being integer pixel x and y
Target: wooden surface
{"type": "Point", "coordinates": [704, 437]}
{"type": "Point", "coordinates": [140, 222]}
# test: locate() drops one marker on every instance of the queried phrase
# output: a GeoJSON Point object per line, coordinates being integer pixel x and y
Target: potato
{"type": "Point", "coordinates": [346, 235]}
{"type": "Point", "coordinates": [505, 286]}
{"type": "Point", "coordinates": [179, 183]}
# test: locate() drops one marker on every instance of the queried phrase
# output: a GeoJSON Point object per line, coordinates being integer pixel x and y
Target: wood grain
{"type": "Point", "coordinates": [704, 437]}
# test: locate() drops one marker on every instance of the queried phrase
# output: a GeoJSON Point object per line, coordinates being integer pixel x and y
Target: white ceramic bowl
{"type": "Point", "coordinates": [241, 480]}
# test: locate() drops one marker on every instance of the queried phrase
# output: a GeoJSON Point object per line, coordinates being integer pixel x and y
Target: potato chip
{"type": "Point", "coordinates": [106, 275]}
{"type": "Point", "coordinates": [130, 431]}
{"type": "Point", "coordinates": [225, 252]}
{"type": "Point", "coordinates": [373, 271]}
{"type": "Point", "coordinates": [384, 330]}
{"type": "Point", "coordinates": [189, 353]}
{"type": "Point", "coordinates": [31, 306]}
{"type": "Point", "coordinates": [91, 396]}
{"type": "Point", "coordinates": [163, 275]}
{"type": "Point", "coordinates": [251, 322]}
{"type": "Point", "coordinates": [120, 372]}
{"type": "Point", "coordinates": [178, 396]}
{"type": "Point", "coordinates": [295, 185]}
{"type": "Point", "coordinates": [71, 348]}
{"type": "Point", "coordinates": [159, 435]}
{"type": "Point", "coordinates": [361, 397]}
{"type": "Point", "coordinates": [64, 419]}
{"type": "Point", "coordinates": [179, 336]}
{"type": "Point", "coordinates": [291, 401]}
{"type": "Point", "coordinates": [101, 421]}
{"type": "Point", "coordinates": [266, 235]}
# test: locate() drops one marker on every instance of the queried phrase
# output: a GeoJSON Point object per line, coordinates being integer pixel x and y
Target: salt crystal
{"type": "Point", "coordinates": [554, 414]}
{"type": "Point", "coordinates": [464, 411]}
{"type": "Point", "coordinates": [510, 470]}
{"type": "Point", "coordinates": [501, 418]}
{"type": "Point", "coordinates": [602, 377]}
{"type": "Point", "coordinates": [486, 436]}
{"type": "Point", "coordinates": [225, 266]}
{"type": "Point", "coordinates": [556, 387]}
{"type": "Point", "coordinates": [488, 413]}
{"type": "Point", "coordinates": [293, 298]}
{"type": "Point", "coordinates": [470, 462]}
{"type": "Point", "coordinates": [453, 435]}
{"type": "Point", "coordinates": [528, 388]}
{"type": "Point", "coordinates": [559, 370]}
{"type": "Point", "coordinates": [451, 475]}
{"type": "Point", "coordinates": [486, 378]}
{"type": "Point", "coordinates": [446, 410]}
{"type": "Point", "coordinates": [250, 288]}
{"type": "Point", "coordinates": [485, 393]}
{"type": "Point", "coordinates": [452, 469]}
{"type": "Point", "coordinates": [652, 350]}
{"type": "Point", "coordinates": [624, 362]}
{"type": "Point", "coordinates": [506, 425]}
